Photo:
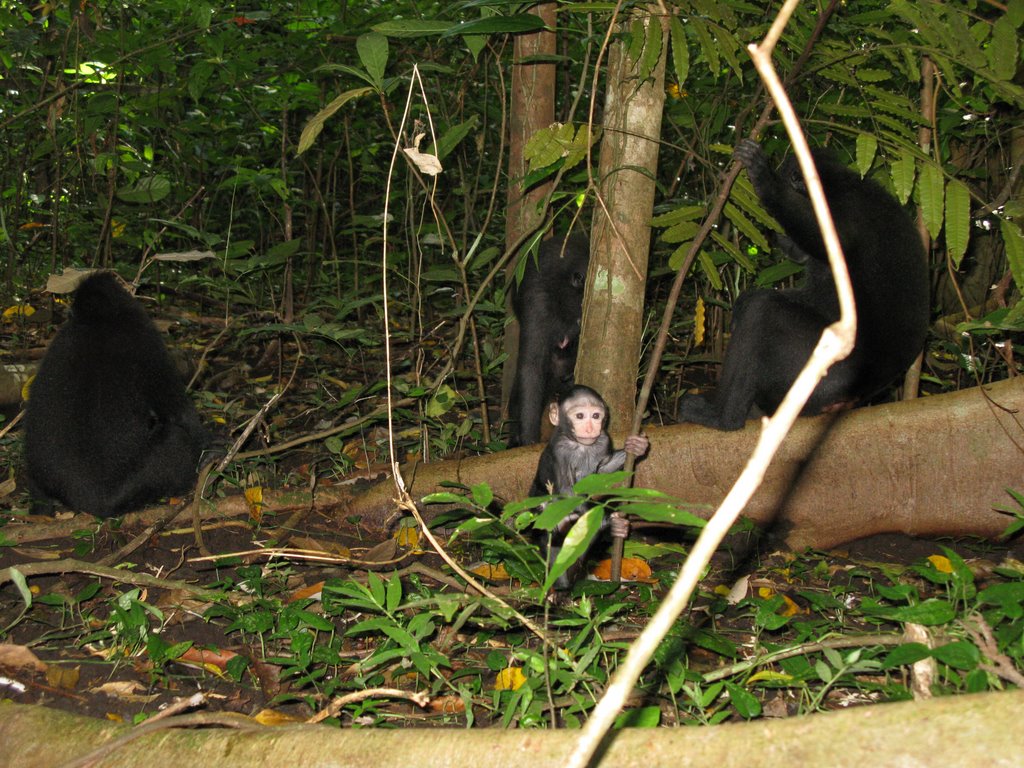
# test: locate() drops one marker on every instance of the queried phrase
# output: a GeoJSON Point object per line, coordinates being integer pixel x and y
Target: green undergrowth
{"type": "Point", "coordinates": [769, 634]}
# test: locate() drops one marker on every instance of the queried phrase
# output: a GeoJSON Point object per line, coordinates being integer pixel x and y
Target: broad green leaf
{"type": "Point", "coordinates": [1003, 49]}
{"type": "Point", "coordinates": [556, 511]}
{"type": "Point", "coordinates": [958, 220]}
{"type": "Point", "coordinates": [903, 171]}
{"type": "Point", "coordinates": [959, 654]}
{"type": "Point", "coordinates": [908, 653]}
{"type": "Point", "coordinates": [931, 185]}
{"type": "Point", "coordinates": [867, 147]}
{"type": "Point", "coordinates": [745, 702]}
{"type": "Point", "coordinates": [577, 542]}
{"type": "Point", "coordinates": [707, 266]}
{"type": "Point", "coordinates": [394, 594]}
{"type": "Point", "coordinates": [500, 25]}
{"type": "Point", "coordinates": [652, 48]}
{"type": "Point", "coordinates": [454, 135]}
{"type": "Point", "coordinates": [412, 27]}
{"type": "Point", "coordinates": [373, 53]}
{"type": "Point", "coordinates": [676, 215]}
{"type": "Point", "coordinates": [1013, 242]}
{"type": "Point", "coordinates": [482, 495]}
{"type": "Point", "coordinates": [707, 45]}
{"type": "Point", "coordinates": [680, 50]}
{"type": "Point", "coordinates": [316, 123]}
{"type": "Point", "coordinates": [635, 40]}
{"type": "Point", "coordinates": [746, 226]}
{"type": "Point", "coordinates": [150, 189]}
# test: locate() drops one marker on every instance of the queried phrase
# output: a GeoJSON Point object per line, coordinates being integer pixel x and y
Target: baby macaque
{"type": "Point", "coordinates": [579, 447]}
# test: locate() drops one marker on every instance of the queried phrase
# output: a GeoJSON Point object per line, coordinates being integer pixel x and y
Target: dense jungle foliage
{"type": "Point", "coordinates": [244, 164]}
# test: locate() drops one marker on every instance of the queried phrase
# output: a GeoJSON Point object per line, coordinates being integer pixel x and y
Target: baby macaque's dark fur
{"type": "Point", "coordinates": [109, 425]}
{"type": "Point", "coordinates": [565, 461]}
{"type": "Point", "coordinates": [548, 303]}
{"type": "Point", "coordinates": [775, 331]}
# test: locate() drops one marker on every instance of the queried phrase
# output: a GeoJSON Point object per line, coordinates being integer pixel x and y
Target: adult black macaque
{"type": "Point", "coordinates": [109, 425]}
{"type": "Point", "coordinates": [548, 303]}
{"type": "Point", "coordinates": [579, 447]}
{"type": "Point", "coordinates": [775, 331]}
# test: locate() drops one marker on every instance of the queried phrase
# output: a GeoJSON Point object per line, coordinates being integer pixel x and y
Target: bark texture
{"type": "Point", "coordinates": [980, 731]}
{"type": "Point", "coordinates": [613, 305]}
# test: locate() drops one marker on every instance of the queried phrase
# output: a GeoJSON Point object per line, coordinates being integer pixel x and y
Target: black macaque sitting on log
{"type": "Point", "coordinates": [579, 447]}
{"type": "Point", "coordinates": [548, 303]}
{"type": "Point", "coordinates": [109, 425]}
{"type": "Point", "coordinates": [775, 331]}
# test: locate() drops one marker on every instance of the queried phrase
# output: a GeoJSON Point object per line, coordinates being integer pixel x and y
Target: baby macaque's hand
{"type": "Point", "coordinates": [637, 445]}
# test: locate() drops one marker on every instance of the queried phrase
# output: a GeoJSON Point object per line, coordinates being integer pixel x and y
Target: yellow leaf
{"type": "Point", "coordinates": [254, 498]}
{"type": "Point", "coordinates": [698, 323]}
{"type": "Point", "coordinates": [273, 717]}
{"type": "Point", "coordinates": [791, 609]}
{"type": "Point", "coordinates": [19, 310]}
{"type": "Point", "coordinates": [509, 679]}
{"type": "Point", "coordinates": [491, 572]}
{"type": "Point", "coordinates": [770, 677]}
{"type": "Point", "coordinates": [408, 536]}
{"type": "Point", "coordinates": [765, 593]}
{"type": "Point", "coordinates": [940, 563]}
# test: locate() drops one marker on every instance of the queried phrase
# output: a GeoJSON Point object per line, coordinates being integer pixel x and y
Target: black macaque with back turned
{"type": "Point", "coordinates": [580, 446]}
{"type": "Point", "coordinates": [775, 331]}
{"type": "Point", "coordinates": [548, 303]}
{"type": "Point", "coordinates": [109, 425]}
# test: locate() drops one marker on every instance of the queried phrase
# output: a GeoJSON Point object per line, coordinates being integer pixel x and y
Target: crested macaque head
{"type": "Point", "coordinates": [580, 414]}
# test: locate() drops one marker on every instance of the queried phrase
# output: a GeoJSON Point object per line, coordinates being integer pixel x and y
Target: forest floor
{"type": "Point", "coordinates": [771, 633]}
{"type": "Point", "coordinates": [112, 650]}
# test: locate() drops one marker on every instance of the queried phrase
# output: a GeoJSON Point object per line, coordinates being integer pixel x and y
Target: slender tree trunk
{"type": "Point", "coordinates": [609, 354]}
{"type": "Point", "coordinates": [531, 107]}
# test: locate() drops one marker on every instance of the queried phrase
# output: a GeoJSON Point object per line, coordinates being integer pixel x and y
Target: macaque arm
{"type": "Point", "coordinates": [637, 445]}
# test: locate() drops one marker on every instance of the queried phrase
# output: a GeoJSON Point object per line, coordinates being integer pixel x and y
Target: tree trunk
{"type": "Point", "coordinates": [531, 107]}
{"type": "Point", "coordinates": [980, 731]}
{"type": "Point", "coordinates": [609, 355]}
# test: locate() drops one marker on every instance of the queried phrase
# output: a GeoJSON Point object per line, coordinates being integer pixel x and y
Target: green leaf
{"type": "Point", "coordinates": [903, 171]}
{"type": "Point", "coordinates": [958, 220]}
{"type": "Point", "coordinates": [643, 717]}
{"type": "Point", "coordinates": [373, 54]}
{"type": "Point", "coordinates": [21, 583]}
{"type": "Point", "coordinates": [746, 704]}
{"type": "Point", "coordinates": [1013, 242]}
{"type": "Point", "coordinates": [708, 46]}
{"type": "Point", "coordinates": [959, 654]}
{"type": "Point", "coordinates": [501, 25]}
{"type": "Point", "coordinates": [931, 186]}
{"type": "Point", "coordinates": [316, 123]}
{"type": "Point", "coordinates": [556, 511]}
{"type": "Point", "coordinates": [635, 40]}
{"type": "Point", "coordinates": [867, 147]}
{"type": "Point", "coordinates": [146, 190]}
{"type": "Point", "coordinates": [1002, 50]}
{"type": "Point", "coordinates": [394, 596]}
{"type": "Point", "coordinates": [680, 50]}
{"type": "Point", "coordinates": [413, 28]}
{"type": "Point", "coordinates": [482, 495]}
{"type": "Point", "coordinates": [652, 48]}
{"type": "Point", "coordinates": [577, 542]}
{"type": "Point", "coordinates": [908, 653]}
{"type": "Point", "coordinates": [451, 138]}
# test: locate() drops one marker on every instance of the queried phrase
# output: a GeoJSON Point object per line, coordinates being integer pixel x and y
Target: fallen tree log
{"type": "Point", "coordinates": [927, 467]}
{"type": "Point", "coordinates": [933, 466]}
{"type": "Point", "coordinates": [954, 731]}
